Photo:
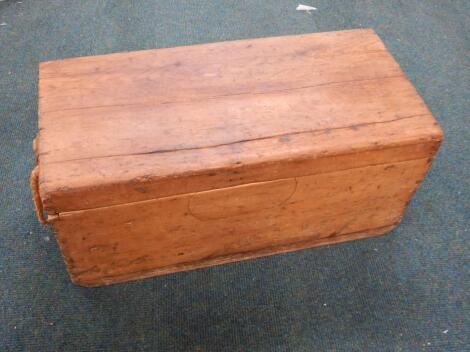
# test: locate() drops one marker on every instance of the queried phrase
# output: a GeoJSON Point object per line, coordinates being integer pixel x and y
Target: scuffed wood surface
{"type": "Point", "coordinates": [211, 261]}
{"type": "Point", "coordinates": [116, 243]}
{"type": "Point", "coordinates": [173, 159]}
{"type": "Point", "coordinates": [135, 126]}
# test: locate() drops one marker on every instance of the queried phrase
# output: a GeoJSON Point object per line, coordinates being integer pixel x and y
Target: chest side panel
{"type": "Point", "coordinates": [119, 243]}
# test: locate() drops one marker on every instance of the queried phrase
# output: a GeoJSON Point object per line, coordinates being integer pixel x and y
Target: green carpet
{"type": "Point", "coordinates": [407, 291]}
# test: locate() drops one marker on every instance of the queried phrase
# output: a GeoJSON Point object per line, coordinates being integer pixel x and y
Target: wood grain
{"type": "Point", "coordinates": [163, 160]}
{"type": "Point", "coordinates": [135, 126]}
{"type": "Point", "coordinates": [207, 262]}
{"type": "Point", "coordinates": [105, 244]}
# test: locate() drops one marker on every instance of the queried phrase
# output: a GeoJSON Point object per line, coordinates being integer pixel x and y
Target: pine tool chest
{"type": "Point", "coordinates": [164, 160]}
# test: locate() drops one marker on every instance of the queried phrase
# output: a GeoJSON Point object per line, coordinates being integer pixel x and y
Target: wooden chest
{"type": "Point", "coordinates": [164, 160]}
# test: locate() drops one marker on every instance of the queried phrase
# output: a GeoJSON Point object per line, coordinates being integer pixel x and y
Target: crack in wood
{"type": "Point", "coordinates": [223, 95]}
{"type": "Point", "coordinates": [190, 212]}
{"type": "Point", "coordinates": [280, 135]}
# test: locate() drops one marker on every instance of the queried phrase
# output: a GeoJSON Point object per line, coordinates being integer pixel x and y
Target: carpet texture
{"type": "Point", "coordinates": [406, 291]}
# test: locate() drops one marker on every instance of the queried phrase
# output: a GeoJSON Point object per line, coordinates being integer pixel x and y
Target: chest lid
{"type": "Point", "coordinates": [134, 126]}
